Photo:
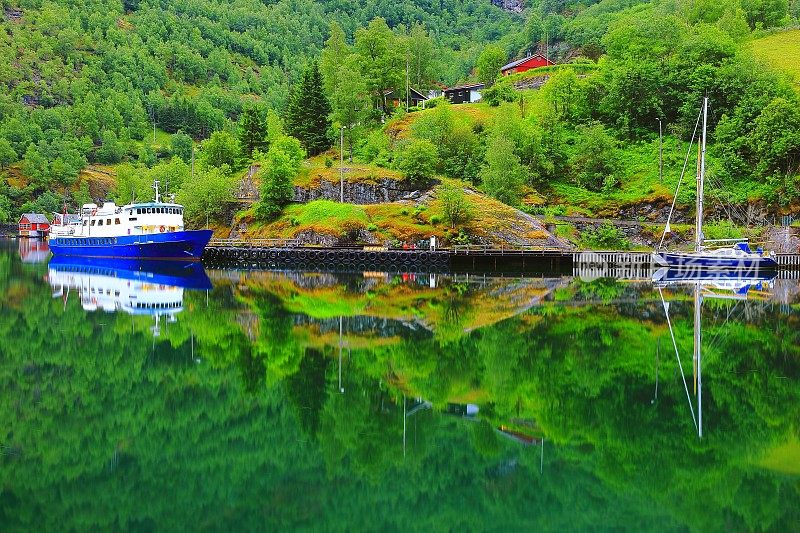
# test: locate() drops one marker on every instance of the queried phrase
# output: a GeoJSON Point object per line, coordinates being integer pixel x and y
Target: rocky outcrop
{"type": "Point", "coordinates": [514, 6]}
{"type": "Point", "coordinates": [360, 192]}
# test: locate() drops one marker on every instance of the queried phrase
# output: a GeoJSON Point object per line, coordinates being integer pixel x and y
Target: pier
{"type": "Point", "coordinates": [290, 253]}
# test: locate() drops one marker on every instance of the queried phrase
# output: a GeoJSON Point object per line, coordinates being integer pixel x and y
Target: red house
{"type": "Point", "coordinates": [33, 225]}
{"type": "Point", "coordinates": [526, 63]}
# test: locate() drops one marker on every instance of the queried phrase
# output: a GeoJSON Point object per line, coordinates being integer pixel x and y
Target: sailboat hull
{"type": "Point", "coordinates": [706, 261]}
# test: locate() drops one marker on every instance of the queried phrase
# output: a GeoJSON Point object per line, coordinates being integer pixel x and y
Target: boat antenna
{"type": "Point", "coordinates": [680, 181]}
{"type": "Point", "coordinates": [155, 186]}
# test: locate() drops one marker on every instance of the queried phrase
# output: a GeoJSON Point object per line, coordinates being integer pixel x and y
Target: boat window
{"type": "Point", "coordinates": [149, 210]}
{"type": "Point", "coordinates": [116, 221]}
{"type": "Point", "coordinates": [93, 222]}
{"type": "Point", "coordinates": [85, 222]}
{"type": "Point", "coordinates": [100, 223]}
{"type": "Point", "coordinates": [108, 222]}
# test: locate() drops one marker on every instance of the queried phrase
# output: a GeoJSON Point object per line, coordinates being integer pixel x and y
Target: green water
{"type": "Point", "coordinates": [284, 401]}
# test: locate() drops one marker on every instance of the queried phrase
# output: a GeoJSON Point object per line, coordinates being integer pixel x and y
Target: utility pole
{"type": "Point", "coordinates": [660, 153]}
{"type": "Point", "coordinates": [341, 164]}
{"type": "Point", "coordinates": [408, 91]}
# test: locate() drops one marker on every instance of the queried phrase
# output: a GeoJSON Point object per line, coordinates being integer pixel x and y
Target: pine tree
{"type": "Point", "coordinates": [307, 117]}
{"type": "Point", "coordinates": [252, 131]}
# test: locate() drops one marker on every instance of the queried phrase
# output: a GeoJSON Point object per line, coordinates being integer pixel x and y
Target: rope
{"type": "Point", "coordinates": [680, 365]}
{"type": "Point", "coordinates": [683, 172]}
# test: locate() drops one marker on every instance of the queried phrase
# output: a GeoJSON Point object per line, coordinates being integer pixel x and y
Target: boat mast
{"type": "Point", "coordinates": [698, 244]}
{"type": "Point", "coordinates": [158, 196]}
{"type": "Point", "coordinates": [698, 364]}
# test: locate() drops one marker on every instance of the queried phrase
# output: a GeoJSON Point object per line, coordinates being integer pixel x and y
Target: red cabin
{"type": "Point", "coordinates": [527, 63]}
{"type": "Point", "coordinates": [33, 225]}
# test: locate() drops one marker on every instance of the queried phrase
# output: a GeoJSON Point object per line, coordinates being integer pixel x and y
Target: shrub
{"type": "Point", "coordinates": [372, 227]}
{"type": "Point", "coordinates": [607, 237]}
{"type": "Point", "coordinates": [596, 158]}
{"type": "Point", "coordinates": [457, 208]}
{"type": "Point", "coordinates": [435, 220]}
{"type": "Point", "coordinates": [416, 159]}
{"type": "Point", "coordinates": [498, 93]}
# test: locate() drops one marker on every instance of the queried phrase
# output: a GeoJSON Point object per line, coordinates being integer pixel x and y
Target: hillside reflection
{"type": "Point", "coordinates": [279, 400]}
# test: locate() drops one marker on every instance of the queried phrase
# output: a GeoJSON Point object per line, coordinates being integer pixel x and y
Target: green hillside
{"type": "Point", "coordinates": [99, 98]}
{"type": "Point", "coordinates": [781, 51]}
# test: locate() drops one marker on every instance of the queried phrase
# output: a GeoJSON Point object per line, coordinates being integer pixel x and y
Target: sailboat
{"type": "Point", "coordinates": [732, 254]}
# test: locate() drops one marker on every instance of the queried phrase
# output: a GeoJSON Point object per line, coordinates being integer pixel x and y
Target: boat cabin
{"type": "Point", "coordinates": [110, 220]}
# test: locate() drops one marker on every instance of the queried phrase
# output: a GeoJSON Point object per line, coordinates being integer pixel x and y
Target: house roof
{"type": "Point", "coordinates": [467, 86]}
{"type": "Point", "coordinates": [414, 93]}
{"type": "Point", "coordinates": [35, 218]}
{"type": "Point", "coordinates": [518, 62]}
{"type": "Point", "coordinates": [419, 95]}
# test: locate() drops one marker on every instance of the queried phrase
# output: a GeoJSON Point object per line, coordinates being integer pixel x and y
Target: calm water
{"type": "Point", "coordinates": [266, 400]}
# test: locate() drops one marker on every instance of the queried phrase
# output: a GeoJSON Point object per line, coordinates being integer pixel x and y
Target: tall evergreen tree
{"type": "Point", "coordinates": [307, 117]}
{"type": "Point", "coordinates": [252, 131]}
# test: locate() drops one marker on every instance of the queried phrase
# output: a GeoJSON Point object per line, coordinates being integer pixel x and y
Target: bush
{"type": "Point", "coordinates": [436, 220]}
{"type": "Point", "coordinates": [723, 229]}
{"type": "Point", "coordinates": [498, 93]}
{"type": "Point", "coordinates": [416, 159]}
{"type": "Point", "coordinates": [433, 102]}
{"type": "Point", "coordinates": [596, 158]}
{"type": "Point", "coordinates": [372, 227]}
{"type": "Point", "coordinates": [605, 237]}
{"type": "Point", "coordinates": [457, 208]}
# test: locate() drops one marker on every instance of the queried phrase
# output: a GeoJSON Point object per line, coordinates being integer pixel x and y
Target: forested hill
{"type": "Point", "coordinates": [137, 83]}
{"type": "Point", "coordinates": [73, 72]}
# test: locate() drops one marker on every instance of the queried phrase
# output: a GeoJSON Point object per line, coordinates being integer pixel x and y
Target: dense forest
{"type": "Point", "coordinates": [131, 89]}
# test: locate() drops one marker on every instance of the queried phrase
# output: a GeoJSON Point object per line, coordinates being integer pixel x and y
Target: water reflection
{"type": "Point", "coordinates": [33, 250]}
{"type": "Point", "coordinates": [324, 398]}
{"type": "Point", "coordinates": [144, 288]}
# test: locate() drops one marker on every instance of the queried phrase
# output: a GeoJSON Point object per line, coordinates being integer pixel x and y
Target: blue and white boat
{"type": "Point", "coordinates": [150, 230]}
{"type": "Point", "coordinates": [710, 254]}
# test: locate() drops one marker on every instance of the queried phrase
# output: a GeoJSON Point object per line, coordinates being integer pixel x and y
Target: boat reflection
{"type": "Point", "coordinates": [719, 284]}
{"type": "Point", "coordinates": [149, 288]}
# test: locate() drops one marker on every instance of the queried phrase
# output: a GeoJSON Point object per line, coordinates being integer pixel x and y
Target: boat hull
{"type": "Point", "coordinates": [174, 246]}
{"type": "Point", "coordinates": [694, 261]}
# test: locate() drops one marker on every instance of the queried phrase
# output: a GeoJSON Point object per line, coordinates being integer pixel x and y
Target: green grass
{"type": "Point", "coordinates": [162, 140]}
{"type": "Point", "coordinates": [781, 51]}
{"type": "Point", "coordinates": [335, 215]}
{"type": "Point", "coordinates": [639, 181]}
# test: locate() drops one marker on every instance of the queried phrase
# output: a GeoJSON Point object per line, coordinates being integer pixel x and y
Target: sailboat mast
{"type": "Point", "coordinates": [698, 363]}
{"type": "Point", "coordinates": [698, 245]}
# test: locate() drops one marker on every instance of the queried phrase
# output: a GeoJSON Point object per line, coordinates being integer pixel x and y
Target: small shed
{"type": "Point", "coordinates": [415, 98]}
{"type": "Point", "coordinates": [526, 63]}
{"type": "Point", "coordinates": [463, 94]}
{"type": "Point", "coordinates": [33, 225]}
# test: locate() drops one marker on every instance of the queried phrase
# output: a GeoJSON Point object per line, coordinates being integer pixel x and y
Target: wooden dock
{"type": "Point", "coordinates": [289, 253]}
